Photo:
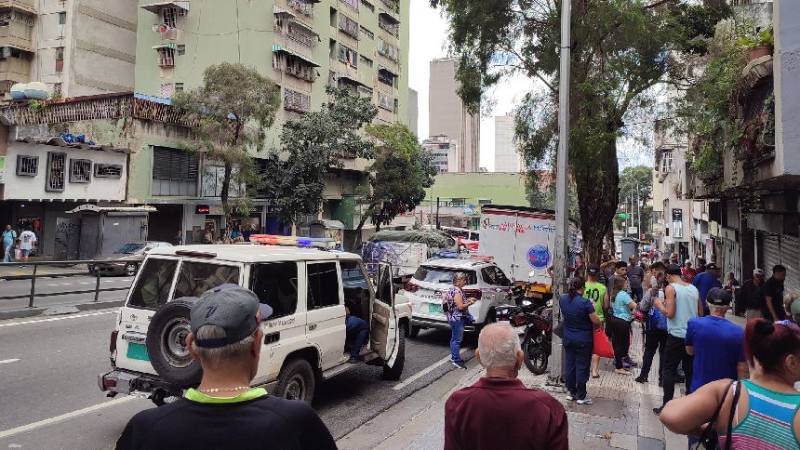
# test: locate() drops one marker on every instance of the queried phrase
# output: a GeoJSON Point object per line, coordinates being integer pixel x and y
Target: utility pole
{"type": "Point", "coordinates": [562, 208]}
{"type": "Point", "coordinates": [638, 211]}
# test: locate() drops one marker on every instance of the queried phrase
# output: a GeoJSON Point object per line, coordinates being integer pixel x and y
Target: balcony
{"type": "Point", "coordinates": [17, 34]}
{"type": "Point", "coordinates": [392, 5]}
{"type": "Point", "coordinates": [389, 24]}
{"type": "Point", "coordinates": [182, 7]}
{"type": "Point", "coordinates": [296, 101]}
{"type": "Point", "coordinates": [16, 70]}
{"type": "Point", "coordinates": [28, 6]}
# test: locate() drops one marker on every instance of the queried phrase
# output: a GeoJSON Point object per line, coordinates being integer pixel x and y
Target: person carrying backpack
{"type": "Point", "coordinates": [655, 325]}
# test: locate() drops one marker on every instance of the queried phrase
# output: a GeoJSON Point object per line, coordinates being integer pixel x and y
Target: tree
{"type": "Point", "coordinates": [401, 172]}
{"type": "Point", "coordinates": [232, 111]}
{"type": "Point", "coordinates": [619, 49]}
{"type": "Point", "coordinates": [636, 184]}
{"type": "Point", "coordinates": [312, 145]}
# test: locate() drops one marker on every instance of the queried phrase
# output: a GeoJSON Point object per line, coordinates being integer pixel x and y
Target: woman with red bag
{"type": "Point", "coordinates": [580, 320]}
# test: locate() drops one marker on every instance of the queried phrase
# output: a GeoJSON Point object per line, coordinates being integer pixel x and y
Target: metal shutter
{"type": "Point", "coordinates": [771, 246]}
{"type": "Point", "coordinates": [790, 257]}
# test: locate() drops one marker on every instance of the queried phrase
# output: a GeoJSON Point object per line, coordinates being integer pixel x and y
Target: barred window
{"type": "Point", "coordinates": [27, 166]}
{"type": "Point", "coordinates": [175, 172]}
{"type": "Point", "coordinates": [56, 172]}
{"type": "Point", "coordinates": [80, 170]}
{"type": "Point", "coordinates": [107, 170]}
{"type": "Point", "coordinates": [296, 101]}
{"type": "Point", "coordinates": [348, 26]}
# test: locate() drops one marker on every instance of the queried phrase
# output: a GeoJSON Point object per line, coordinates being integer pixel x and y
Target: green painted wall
{"type": "Point", "coordinates": [500, 188]}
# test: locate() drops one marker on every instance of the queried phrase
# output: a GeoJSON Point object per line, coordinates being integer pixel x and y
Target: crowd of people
{"type": "Point", "coordinates": [18, 246]}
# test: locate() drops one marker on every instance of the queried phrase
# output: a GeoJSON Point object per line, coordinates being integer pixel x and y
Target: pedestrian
{"type": "Point", "coordinates": [357, 331]}
{"type": "Point", "coordinates": [752, 295]}
{"type": "Point", "coordinates": [701, 265]}
{"type": "Point", "coordinates": [9, 237]}
{"type": "Point", "coordinates": [619, 321]}
{"type": "Point", "coordinates": [580, 320]}
{"type": "Point", "coordinates": [498, 411]}
{"type": "Point", "coordinates": [704, 281]}
{"type": "Point", "coordinates": [620, 271]}
{"type": "Point", "coordinates": [731, 283]}
{"type": "Point", "coordinates": [688, 272]}
{"type": "Point", "coordinates": [791, 302]}
{"type": "Point", "coordinates": [655, 325]}
{"type": "Point", "coordinates": [681, 303]}
{"type": "Point", "coordinates": [759, 413]}
{"type": "Point", "coordinates": [635, 279]}
{"type": "Point", "coordinates": [27, 242]}
{"type": "Point", "coordinates": [456, 310]}
{"type": "Point", "coordinates": [715, 343]}
{"type": "Point", "coordinates": [773, 295]}
{"type": "Point", "coordinates": [224, 411]}
{"type": "Point", "coordinates": [596, 292]}
{"type": "Point", "coordinates": [178, 240]}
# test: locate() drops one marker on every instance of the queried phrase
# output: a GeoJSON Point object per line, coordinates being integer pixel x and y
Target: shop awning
{"type": "Point", "coordinates": [282, 12]}
{"type": "Point", "coordinates": [100, 209]}
{"type": "Point", "coordinates": [280, 49]}
{"type": "Point", "coordinates": [157, 7]}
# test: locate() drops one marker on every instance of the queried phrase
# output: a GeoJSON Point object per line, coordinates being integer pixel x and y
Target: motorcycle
{"type": "Point", "coordinates": [537, 318]}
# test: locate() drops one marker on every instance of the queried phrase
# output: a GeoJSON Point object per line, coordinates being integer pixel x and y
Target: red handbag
{"type": "Point", "coordinates": [601, 346]}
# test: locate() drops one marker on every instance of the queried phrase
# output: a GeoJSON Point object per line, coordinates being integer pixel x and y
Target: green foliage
{"type": "Point", "coordinates": [401, 172]}
{"type": "Point", "coordinates": [619, 50]}
{"type": "Point", "coordinates": [636, 185]}
{"type": "Point", "coordinates": [37, 105]}
{"type": "Point", "coordinates": [753, 38]}
{"type": "Point", "coordinates": [312, 145]}
{"type": "Point", "coordinates": [542, 194]}
{"type": "Point", "coordinates": [233, 109]}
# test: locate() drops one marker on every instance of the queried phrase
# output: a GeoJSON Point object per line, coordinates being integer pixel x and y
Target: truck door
{"type": "Point", "coordinates": [383, 323]}
{"type": "Point", "coordinates": [325, 314]}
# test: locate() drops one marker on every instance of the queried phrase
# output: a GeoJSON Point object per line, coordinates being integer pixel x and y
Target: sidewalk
{"type": "Point", "coordinates": [27, 270]}
{"type": "Point", "coordinates": [621, 416]}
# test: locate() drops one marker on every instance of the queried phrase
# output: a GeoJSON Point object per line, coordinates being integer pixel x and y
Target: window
{"type": "Point", "coordinates": [389, 24]}
{"type": "Point", "coordinates": [348, 56]}
{"type": "Point", "coordinates": [386, 77]}
{"type": "Point", "coordinates": [304, 7]}
{"type": "Point", "coordinates": [366, 32]}
{"type": "Point", "coordinates": [27, 166]}
{"type": "Point", "coordinates": [181, 49]}
{"type": "Point", "coordinates": [213, 178]}
{"type": "Point", "coordinates": [389, 51]}
{"type": "Point", "coordinates": [385, 102]}
{"type": "Point", "coordinates": [107, 170]}
{"type": "Point", "coordinates": [333, 17]}
{"type": "Point", "coordinates": [348, 26]}
{"type": "Point", "coordinates": [323, 285]}
{"type": "Point", "coordinates": [356, 288]}
{"type": "Point", "coordinates": [296, 101]}
{"type": "Point", "coordinates": [299, 68]}
{"type": "Point", "coordinates": [62, 17]}
{"type": "Point", "coordinates": [80, 170]}
{"type": "Point", "coordinates": [195, 278]}
{"type": "Point", "coordinates": [276, 285]}
{"type": "Point", "coordinates": [666, 161]}
{"type": "Point", "coordinates": [393, 5]}
{"type": "Point", "coordinates": [300, 35]}
{"type": "Point", "coordinates": [442, 275]}
{"type": "Point", "coordinates": [174, 172]}
{"type": "Point", "coordinates": [166, 57]}
{"type": "Point", "coordinates": [494, 276]}
{"type": "Point", "coordinates": [483, 201]}
{"type": "Point", "coordinates": [178, 87]}
{"type": "Point", "coordinates": [351, 3]}
{"type": "Point", "coordinates": [458, 202]}
{"type": "Point", "coordinates": [368, 5]}
{"type": "Point", "coordinates": [169, 17]}
{"type": "Point", "coordinates": [152, 286]}
{"type": "Point", "coordinates": [677, 223]}
{"type": "Point", "coordinates": [56, 172]}
{"type": "Point", "coordinates": [59, 59]}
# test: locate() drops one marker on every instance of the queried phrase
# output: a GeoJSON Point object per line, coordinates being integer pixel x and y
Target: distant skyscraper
{"type": "Point", "coordinates": [449, 117]}
{"type": "Point", "coordinates": [506, 157]}
{"type": "Point", "coordinates": [413, 111]}
{"type": "Point", "coordinates": [444, 152]}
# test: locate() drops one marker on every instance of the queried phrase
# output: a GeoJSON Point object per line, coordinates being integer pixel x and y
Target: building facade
{"type": "Point", "coordinates": [506, 157]}
{"type": "Point", "coordinates": [76, 48]}
{"type": "Point", "coordinates": [444, 152]}
{"type": "Point", "coordinates": [413, 111]}
{"type": "Point", "coordinates": [449, 116]}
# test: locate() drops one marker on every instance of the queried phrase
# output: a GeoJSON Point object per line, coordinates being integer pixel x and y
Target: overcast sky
{"type": "Point", "coordinates": [429, 41]}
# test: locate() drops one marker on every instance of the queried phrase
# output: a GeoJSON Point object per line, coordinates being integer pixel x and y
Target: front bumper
{"type": "Point", "coordinates": [124, 382]}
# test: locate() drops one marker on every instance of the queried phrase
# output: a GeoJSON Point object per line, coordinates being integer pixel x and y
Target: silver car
{"type": "Point", "coordinates": [127, 259]}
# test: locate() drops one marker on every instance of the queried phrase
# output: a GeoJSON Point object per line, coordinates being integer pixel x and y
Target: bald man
{"type": "Point", "coordinates": [529, 418]}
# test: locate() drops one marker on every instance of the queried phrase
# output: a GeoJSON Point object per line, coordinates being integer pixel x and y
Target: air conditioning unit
{"type": "Point", "coordinates": [5, 52]}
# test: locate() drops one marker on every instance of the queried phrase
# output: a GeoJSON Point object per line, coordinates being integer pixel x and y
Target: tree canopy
{"type": "Point", "coordinates": [233, 109]}
{"type": "Point", "coordinates": [620, 49]}
{"type": "Point", "coordinates": [636, 185]}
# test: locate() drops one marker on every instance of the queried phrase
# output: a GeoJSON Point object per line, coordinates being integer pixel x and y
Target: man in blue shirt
{"type": "Point", "coordinates": [705, 281]}
{"type": "Point", "coordinates": [716, 343]}
{"type": "Point", "coordinates": [9, 236]}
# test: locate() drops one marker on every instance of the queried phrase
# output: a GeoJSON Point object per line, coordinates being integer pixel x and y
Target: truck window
{"type": "Point", "coordinates": [276, 285]}
{"type": "Point", "coordinates": [152, 286]}
{"type": "Point", "coordinates": [494, 276]}
{"type": "Point", "coordinates": [356, 288]}
{"type": "Point", "coordinates": [323, 285]}
{"type": "Point", "coordinates": [197, 277]}
{"type": "Point", "coordinates": [441, 275]}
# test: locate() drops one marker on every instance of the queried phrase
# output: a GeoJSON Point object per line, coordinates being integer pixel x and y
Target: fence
{"type": "Point", "coordinates": [34, 276]}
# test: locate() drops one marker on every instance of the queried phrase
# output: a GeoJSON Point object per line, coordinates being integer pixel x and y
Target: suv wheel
{"type": "Point", "coordinates": [296, 381]}
{"type": "Point", "coordinates": [414, 331]}
{"type": "Point", "coordinates": [395, 372]}
{"type": "Point", "coordinates": [130, 269]}
{"type": "Point", "coordinates": [166, 344]}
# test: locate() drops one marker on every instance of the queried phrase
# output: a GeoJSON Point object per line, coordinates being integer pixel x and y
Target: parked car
{"type": "Point", "coordinates": [127, 259]}
{"type": "Point", "coordinates": [305, 339]}
{"type": "Point", "coordinates": [425, 290]}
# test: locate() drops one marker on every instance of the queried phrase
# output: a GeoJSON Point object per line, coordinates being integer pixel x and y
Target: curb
{"type": "Point", "coordinates": [58, 310]}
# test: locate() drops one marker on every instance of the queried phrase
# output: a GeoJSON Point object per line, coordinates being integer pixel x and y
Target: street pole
{"type": "Point", "coordinates": [638, 212]}
{"type": "Point", "coordinates": [562, 208]}
{"type": "Point", "coordinates": [438, 224]}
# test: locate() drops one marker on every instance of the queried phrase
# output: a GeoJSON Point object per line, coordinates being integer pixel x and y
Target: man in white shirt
{"type": "Point", "coordinates": [26, 242]}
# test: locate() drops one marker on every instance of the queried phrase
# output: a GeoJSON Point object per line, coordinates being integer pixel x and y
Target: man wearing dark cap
{"type": "Point", "coordinates": [224, 411]}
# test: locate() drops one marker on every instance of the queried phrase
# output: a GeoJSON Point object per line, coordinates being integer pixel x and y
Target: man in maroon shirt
{"type": "Point", "coordinates": [499, 412]}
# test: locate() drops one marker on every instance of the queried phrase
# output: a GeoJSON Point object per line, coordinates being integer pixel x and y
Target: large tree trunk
{"type": "Point", "coordinates": [597, 199]}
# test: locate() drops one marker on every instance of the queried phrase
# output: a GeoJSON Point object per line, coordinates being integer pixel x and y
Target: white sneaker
{"type": "Point", "coordinates": [586, 401]}
{"type": "Point", "coordinates": [570, 398]}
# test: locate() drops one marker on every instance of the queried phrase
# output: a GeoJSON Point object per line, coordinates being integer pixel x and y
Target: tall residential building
{"type": "Point", "coordinates": [449, 116]}
{"type": "Point", "coordinates": [76, 47]}
{"type": "Point", "coordinates": [444, 152]}
{"type": "Point", "coordinates": [413, 111]}
{"type": "Point", "coordinates": [506, 157]}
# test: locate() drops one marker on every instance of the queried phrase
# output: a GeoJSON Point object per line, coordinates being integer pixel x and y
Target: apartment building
{"type": "Point", "coordinates": [449, 116]}
{"type": "Point", "coordinates": [506, 156]}
{"type": "Point", "coordinates": [444, 153]}
{"type": "Point", "coordinates": [77, 48]}
{"type": "Point", "coordinates": [302, 45]}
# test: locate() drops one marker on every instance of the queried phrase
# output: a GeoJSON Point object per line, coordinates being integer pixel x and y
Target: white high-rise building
{"type": "Point", "coordinates": [444, 152]}
{"type": "Point", "coordinates": [506, 157]}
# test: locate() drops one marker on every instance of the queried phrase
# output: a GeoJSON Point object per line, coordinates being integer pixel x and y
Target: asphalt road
{"type": "Point", "coordinates": [48, 369]}
{"type": "Point", "coordinates": [46, 285]}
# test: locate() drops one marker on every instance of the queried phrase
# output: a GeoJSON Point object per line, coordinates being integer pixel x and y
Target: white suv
{"type": "Point", "coordinates": [304, 340]}
{"type": "Point", "coordinates": [425, 291]}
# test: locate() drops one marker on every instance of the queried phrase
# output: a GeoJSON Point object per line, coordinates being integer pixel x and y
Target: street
{"type": "Point", "coordinates": [50, 397]}
{"type": "Point", "coordinates": [61, 284]}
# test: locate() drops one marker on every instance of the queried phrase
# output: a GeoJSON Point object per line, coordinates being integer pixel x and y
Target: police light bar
{"type": "Point", "coordinates": [293, 241]}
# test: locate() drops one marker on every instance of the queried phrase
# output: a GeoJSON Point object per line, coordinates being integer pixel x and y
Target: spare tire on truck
{"type": "Point", "coordinates": [166, 344]}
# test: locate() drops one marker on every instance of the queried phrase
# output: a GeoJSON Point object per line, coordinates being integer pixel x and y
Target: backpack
{"type": "Point", "coordinates": [656, 320]}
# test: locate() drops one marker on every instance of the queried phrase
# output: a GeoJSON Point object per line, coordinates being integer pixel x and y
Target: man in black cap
{"type": "Point", "coordinates": [224, 411]}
